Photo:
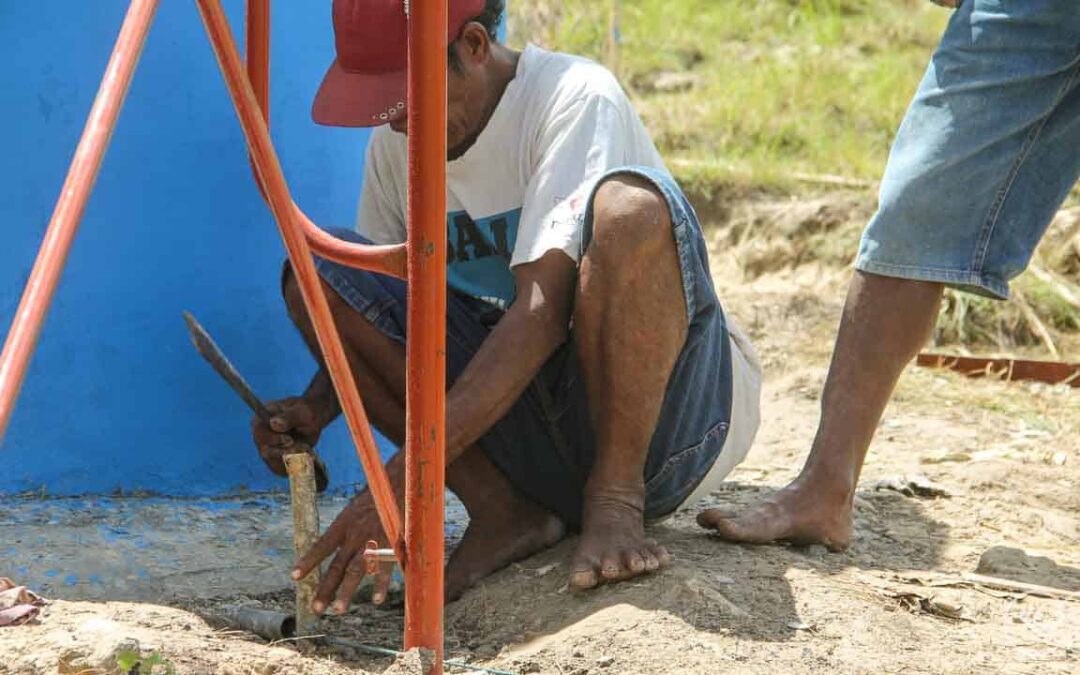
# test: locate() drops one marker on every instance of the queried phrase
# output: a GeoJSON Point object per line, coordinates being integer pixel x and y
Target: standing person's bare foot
{"type": "Point", "coordinates": [497, 537]}
{"type": "Point", "coordinates": [802, 513]}
{"type": "Point", "coordinates": [613, 546]}
{"type": "Point", "coordinates": [885, 323]}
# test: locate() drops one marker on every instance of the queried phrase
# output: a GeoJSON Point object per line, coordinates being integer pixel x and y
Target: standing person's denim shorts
{"type": "Point", "coordinates": [988, 150]}
{"type": "Point", "coordinates": [544, 444]}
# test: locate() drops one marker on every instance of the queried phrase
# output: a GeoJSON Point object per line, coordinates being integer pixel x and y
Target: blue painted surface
{"type": "Point", "coordinates": [116, 397]}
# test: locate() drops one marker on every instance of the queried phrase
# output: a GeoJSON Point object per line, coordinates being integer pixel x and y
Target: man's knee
{"type": "Point", "coordinates": [630, 216]}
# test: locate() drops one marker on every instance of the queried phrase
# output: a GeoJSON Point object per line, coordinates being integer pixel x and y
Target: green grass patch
{"type": "Point", "coordinates": [780, 88]}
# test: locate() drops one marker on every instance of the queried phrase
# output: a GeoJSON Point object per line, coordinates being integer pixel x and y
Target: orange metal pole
{"type": "Point", "coordinates": [71, 204]}
{"type": "Point", "coordinates": [257, 59]}
{"type": "Point", "coordinates": [425, 445]}
{"type": "Point", "coordinates": [284, 210]}
{"type": "Point", "coordinates": [257, 48]}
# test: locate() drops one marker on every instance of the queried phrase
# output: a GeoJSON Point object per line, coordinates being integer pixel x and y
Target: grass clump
{"type": "Point", "coordinates": [758, 91]}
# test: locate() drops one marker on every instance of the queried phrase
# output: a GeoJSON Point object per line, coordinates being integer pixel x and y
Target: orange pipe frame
{"type": "Point", "coordinates": [425, 398]}
{"type": "Point", "coordinates": [296, 244]}
{"type": "Point", "coordinates": [40, 287]}
{"type": "Point", "coordinates": [422, 554]}
{"type": "Point", "coordinates": [424, 255]}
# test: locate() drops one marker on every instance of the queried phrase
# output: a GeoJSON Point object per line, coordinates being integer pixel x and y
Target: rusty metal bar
{"type": "Point", "coordinates": [425, 448]}
{"type": "Point", "coordinates": [292, 232]}
{"type": "Point", "coordinates": [1009, 370]}
{"type": "Point", "coordinates": [257, 51]}
{"type": "Point", "coordinates": [257, 60]}
{"type": "Point", "coordinates": [40, 287]}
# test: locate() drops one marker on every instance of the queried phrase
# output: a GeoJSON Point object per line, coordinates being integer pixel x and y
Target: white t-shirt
{"type": "Point", "coordinates": [562, 122]}
{"type": "Point", "coordinates": [519, 192]}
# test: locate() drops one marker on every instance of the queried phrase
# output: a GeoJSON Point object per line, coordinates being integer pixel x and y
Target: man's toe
{"type": "Point", "coordinates": [611, 568]}
{"type": "Point", "coordinates": [652, 563]}
{"type": "Point", "coordinates": [663, 558]}
{"type": "Point", "coordinates": [711, 518]}
{"type": "Point", "coordinates": [633, 562]}
{"type": "Point", "coordinates": [583, 572]}
{"type": "Point", "coordinates": [583, 579]}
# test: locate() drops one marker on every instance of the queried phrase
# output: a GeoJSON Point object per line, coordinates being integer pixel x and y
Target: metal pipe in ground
{"type": "Point", "coordinates": [265, 623]}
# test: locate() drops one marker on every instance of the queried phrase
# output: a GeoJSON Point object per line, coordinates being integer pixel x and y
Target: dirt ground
{"type": "Point", "coordinates": [995, 470]}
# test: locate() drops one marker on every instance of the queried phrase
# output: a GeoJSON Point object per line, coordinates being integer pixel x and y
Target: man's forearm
{"type": "Point", "coordinates": [323, 398]}
{"type": "Point", "coordinates": [499, 372]}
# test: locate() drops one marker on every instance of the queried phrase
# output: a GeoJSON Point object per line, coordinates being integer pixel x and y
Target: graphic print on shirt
{"type": "Point", "coordinates": [478, 255]}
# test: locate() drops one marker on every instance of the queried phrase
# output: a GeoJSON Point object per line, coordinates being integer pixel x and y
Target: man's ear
{"type": "Point", "coordinates": [474, 43]}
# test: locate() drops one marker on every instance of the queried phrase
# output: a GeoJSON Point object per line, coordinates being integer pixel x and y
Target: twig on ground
{"type": "Point", "coordinates": [1036, 323]}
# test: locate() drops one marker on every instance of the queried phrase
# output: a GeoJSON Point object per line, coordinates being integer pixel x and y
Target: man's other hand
{"type": "Point", "coordinates": [295, 421]}
{"type": "Point", "coordinates": [357, 524]}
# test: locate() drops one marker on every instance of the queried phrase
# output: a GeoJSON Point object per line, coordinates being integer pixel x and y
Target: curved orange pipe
{"type": "Point", "coordinates": [292, 231]}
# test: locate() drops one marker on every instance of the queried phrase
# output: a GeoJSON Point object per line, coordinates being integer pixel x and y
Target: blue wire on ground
{"type": "Point", "coordinates": [383, 651]}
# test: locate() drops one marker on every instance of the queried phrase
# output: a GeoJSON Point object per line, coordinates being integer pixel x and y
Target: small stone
{"type": "Point", "coordinates": [605, 661]}
{"type": "Point", "coordinates": [945, 608]}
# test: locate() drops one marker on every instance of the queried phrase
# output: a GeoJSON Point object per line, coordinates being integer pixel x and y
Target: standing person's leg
{"type": "Point", "coordinates": [872, 348]}
{"type": "Point", "coordinates": [985, 155]}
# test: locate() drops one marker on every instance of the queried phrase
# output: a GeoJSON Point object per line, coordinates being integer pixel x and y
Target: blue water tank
{"type": "Point", "coordinates": [116, 398]}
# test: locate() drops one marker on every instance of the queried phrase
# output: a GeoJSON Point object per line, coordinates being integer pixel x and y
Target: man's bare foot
{"type": "Point", "coordinates": [613, 546]}
{"type": "Point", "coordinates": [801, 513]}
{"type": "Point", "coordinates": [496, 538]}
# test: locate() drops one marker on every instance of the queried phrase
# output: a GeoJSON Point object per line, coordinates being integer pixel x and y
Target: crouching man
{"type": "Point", "coordinates": [596, 383]}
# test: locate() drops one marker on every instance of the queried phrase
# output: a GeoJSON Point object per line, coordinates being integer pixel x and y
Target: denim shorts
{"type": "Point", "coordinates": [544, 444]}
{"type": "Point", "coordinates": [987, 151]}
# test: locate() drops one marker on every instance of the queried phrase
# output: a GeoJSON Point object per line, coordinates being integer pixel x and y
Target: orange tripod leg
{"type": "Point", "coordinates": [40, 287]}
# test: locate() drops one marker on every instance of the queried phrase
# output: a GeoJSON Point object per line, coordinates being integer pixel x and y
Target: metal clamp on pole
{"type": "Point", "coordinates": [374, 556]}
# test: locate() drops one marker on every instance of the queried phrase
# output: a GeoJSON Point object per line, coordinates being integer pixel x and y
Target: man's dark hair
{"type": "Point", "coordinates": [490, 19]}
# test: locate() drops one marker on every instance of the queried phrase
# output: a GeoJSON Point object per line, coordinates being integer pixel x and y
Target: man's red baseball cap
{"type": "Point", "coordinates": [366, 83]}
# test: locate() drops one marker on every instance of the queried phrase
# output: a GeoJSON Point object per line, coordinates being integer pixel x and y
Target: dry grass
{"type": "Point", "coordinates": [1043, 316]}
{"type": "Point", "coordinates": [763, 89]}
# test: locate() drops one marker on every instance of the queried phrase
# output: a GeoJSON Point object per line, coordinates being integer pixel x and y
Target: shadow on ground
{"type": "Point", "coordinates": [715, 587]}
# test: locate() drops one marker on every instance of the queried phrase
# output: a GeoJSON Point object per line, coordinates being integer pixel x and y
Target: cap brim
{"type": "Point", "coordinates": [349, 99]}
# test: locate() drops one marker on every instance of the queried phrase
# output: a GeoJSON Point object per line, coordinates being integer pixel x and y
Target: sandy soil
{"type": "Point", "coordinates": [1005, 455]}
